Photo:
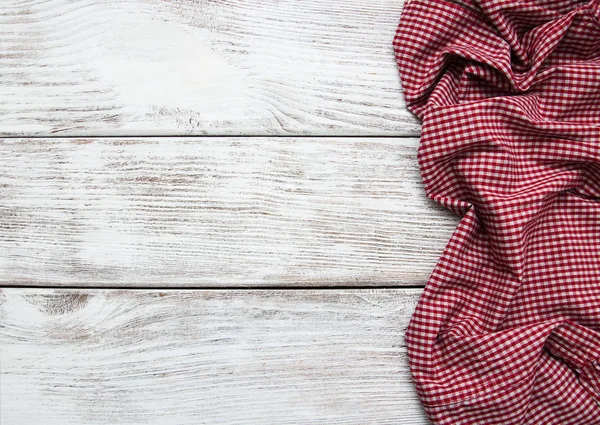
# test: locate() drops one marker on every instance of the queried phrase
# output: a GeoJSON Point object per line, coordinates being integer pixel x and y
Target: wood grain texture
{"type": "Point", "coordinates": [75, 357]}
{"type": "Point", "coordinates": [203, 67]}
{"type": "Point", "coordinates": [216, 212]}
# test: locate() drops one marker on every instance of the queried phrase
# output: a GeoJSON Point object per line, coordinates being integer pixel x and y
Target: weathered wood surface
{"type": "Point", "coordinates": [216, 212]}
{"type": "Point", "coordinates": [205, 67]}
{"type": "Point", "coordinates": [206, 357]}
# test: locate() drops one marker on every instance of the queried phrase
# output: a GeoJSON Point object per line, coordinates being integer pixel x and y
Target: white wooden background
{"type": "Point", "coordinates": [210, 213]}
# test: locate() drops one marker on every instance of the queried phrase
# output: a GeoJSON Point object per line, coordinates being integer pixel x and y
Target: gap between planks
{"type": "Point", "coordinates": [213, 288]}
{"type": "Point", "coordinates": [125, 136]}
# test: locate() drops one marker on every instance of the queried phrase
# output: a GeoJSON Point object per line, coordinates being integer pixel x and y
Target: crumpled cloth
{"type": "Point", "coordinates": [507, 330]}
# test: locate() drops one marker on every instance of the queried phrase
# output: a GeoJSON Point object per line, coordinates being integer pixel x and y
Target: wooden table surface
{"type": "Point", "coordinates": [210, 213]}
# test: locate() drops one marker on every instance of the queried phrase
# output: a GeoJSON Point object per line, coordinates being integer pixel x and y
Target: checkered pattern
{"type": "Point", "coordinates": [508, 328]}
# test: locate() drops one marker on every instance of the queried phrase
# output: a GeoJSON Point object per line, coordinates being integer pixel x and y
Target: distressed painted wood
{"type": "Point", "coordinates": [204, 67]}
{"type": "Point", "coordinates": [75, 357]}
{"type": "Point", "coordinates": [216, 212]}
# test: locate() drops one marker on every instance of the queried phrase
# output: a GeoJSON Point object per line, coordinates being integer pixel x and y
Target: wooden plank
{"type": "Point", "coordinates": [216, 212]}
{"type": "Point", "coordinates": [213, 357]}
{"type": "Point", "coordinates": [203, 67]}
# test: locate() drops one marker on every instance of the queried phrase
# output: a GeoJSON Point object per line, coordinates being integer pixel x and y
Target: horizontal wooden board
{"type": "Point", "coordinates": [212, 357]}
{"type": "Point", "coordinates": [216, 212]}
{"type": "Point", "coordinates": [203, 67]}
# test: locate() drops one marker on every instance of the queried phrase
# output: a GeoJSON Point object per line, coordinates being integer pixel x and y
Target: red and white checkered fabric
{"type": "Point", "coordinates": [508, 328]}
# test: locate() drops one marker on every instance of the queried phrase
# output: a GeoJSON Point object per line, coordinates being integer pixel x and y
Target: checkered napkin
{"type": "Point", "coordinates": [508, 328]}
